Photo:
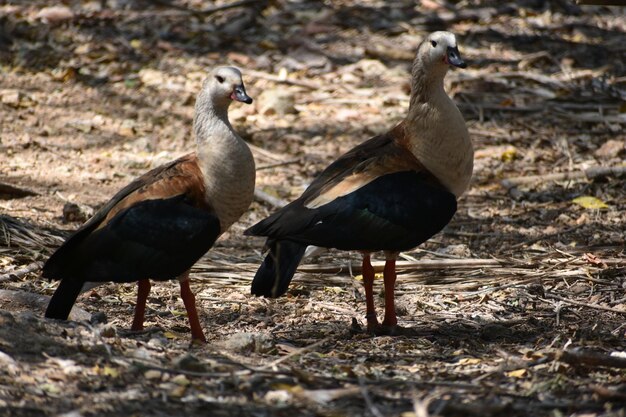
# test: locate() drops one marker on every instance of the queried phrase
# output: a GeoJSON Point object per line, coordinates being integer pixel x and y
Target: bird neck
{"type": "Point", "coordinates": [211, 117]}
{"type": "Point", "coordinates": [225, 161]}
{"type": "Point", "coordinates": [426, 83]}
{"type": "Point", "coordinates": [436, 131]}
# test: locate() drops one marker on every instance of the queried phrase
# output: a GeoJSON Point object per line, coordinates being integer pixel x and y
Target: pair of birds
{"type": "Point", "coordinates": [390, 193]}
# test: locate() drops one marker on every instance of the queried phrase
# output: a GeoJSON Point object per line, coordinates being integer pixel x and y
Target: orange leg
{"type": "Point", "coordinates": [389, 274]}
{"type": "Point", "coordinates": [190, 305]}
{"type": "Point", "coordinates": [143, 289]}
{"type": "Point", "coordinates": [368, 283]}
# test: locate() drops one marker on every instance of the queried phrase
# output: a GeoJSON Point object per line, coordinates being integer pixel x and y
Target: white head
{"type": "Point", "coordinates": [225, 84]}
{"type": "Point", "coordinates": [438, 51]}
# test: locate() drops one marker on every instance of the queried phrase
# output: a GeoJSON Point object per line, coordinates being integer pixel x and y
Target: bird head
{"type": "Point", "coordinates": [439, 50]}
{"type": "Point", "coordinates": [226, 83]}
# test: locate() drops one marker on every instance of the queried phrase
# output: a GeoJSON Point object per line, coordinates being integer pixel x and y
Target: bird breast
{"type": "Point", "coordinates": [439, 139]}
{"type": "Point", "coordinates": [228, 169]}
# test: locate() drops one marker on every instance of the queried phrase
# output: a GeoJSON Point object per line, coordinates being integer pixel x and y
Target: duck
{"type": "Point", "coordinates": [390, 193]}
{"type": "Point", "coordinates": [160, 224]}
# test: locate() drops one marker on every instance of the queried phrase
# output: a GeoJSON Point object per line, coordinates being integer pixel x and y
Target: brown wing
{"type": "Point", "coordinates": [374, 158]}
{"type": "Point", "coordinates": [182, 176]}
{"type": "Point", "coordinates": [156, 227]}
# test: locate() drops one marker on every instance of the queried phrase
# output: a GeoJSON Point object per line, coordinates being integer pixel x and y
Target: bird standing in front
{"type": "Point", "coordinates": [391, 193]}
{"type": "Point", "coordinates": [159, 225]}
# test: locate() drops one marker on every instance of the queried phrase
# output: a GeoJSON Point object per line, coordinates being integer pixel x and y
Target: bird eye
{"type": "Point", "coordinates": [433, 43]}
{"type": "Point", "coordinates": [219, 79]}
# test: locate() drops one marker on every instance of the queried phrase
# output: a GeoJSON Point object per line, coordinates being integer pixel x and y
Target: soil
{"type": "Point", "coordinates": [516, 308]}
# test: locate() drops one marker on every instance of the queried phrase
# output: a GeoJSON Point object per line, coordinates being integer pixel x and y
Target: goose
{"type": "Point", "coordinates": [390, 193]}
{"type": "Point", "coordinates": [160, 224]}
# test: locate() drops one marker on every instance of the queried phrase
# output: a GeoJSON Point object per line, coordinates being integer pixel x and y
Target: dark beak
{"type": "Point", "coordinates": [454, 57]}
{"type": "Point", "coordinates": [239, 94]}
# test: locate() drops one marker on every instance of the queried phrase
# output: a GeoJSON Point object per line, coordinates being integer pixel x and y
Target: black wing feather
{"type": "Point", "coordinates": [395, 212]}
{"type": "Point", "coordinates": [157, 239]}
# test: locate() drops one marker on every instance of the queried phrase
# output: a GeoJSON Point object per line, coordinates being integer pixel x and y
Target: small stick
{"type": "Point", "coordinates": [590, 173]}
{"type": "Point", "coordinates": [296, 352]}
{"type": "Point", "coordinates": [406, 265]}
{"type": "Point", "coordinates": [602, 2]}
{"type": "Point", "coordinates": [271, 200]}
{"type": "Point", "coordinates": [277, 79]}
{"type": "Point", "coordinates": [368, 400]}
{"type": "Point", "coordinates": [580, 303]}
{"type": "Point", "coordinates": [207, 11]}
{"type": "Point", "coordinates": [538, 238]}
{"type": "Point", "coordinates": [19, 273]}
{"type": "Point", "coordinates": [278, 164]}
{"type": "Point", "coordinates": [14, 191]}
{"type": "Point", "coordinates": [581, 357]}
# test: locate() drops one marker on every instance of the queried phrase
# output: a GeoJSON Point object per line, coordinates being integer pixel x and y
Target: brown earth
{"type": "Point", "coordinates": [517, 307]}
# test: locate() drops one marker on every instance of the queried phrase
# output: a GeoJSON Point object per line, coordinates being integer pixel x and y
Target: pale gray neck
{"type": "Point", "coordinates": [224, 158]}
{"type": "Point", "coordinates": [426, 84]}
{"type": "Point", "coordinates": [211, 116]}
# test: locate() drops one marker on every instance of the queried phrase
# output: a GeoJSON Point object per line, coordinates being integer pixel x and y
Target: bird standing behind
{"type": "Point", "coordinates": [391, 193]}
{"type": "Point", "coordinates": [159, 225]}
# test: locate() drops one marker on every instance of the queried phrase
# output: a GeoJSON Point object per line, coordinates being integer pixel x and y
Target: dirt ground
{"type": "Point", "coordinates": [518, 306]}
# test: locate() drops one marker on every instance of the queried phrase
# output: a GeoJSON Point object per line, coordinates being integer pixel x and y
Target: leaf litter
{"type": "Point", "coordinates": [517, 306]}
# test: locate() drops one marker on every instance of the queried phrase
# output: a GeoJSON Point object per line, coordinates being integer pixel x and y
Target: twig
{"type": "Point", "coordinates": [538, 238]}
{"type": "Point", "coordinates": [277, 79]}
{"type": "Point", "coordinates": [19, 273]}
{"type": "Point", "coordinates": [296, 352]}
{"type": "Point", "coordinates": [590, 173]}
{"type": "Point", "coordinates": [581, 357]}
{"type": "Point", "coordinates": [278, 164]}
{"type": "Point", "coordinates": [602, 2]}
{"type": "Point", "coordinates": [580, 303]}
{"type": "Point", "coordinates": [207, 11]}
{"type": "Point", "coordinates": [271, 200]}
{"type": "Point", "coordinates": [368, 400]}
{"type": "Point", "coordinates": [13, 191]}
{"type": "Point", "coordinates": [405, 265]}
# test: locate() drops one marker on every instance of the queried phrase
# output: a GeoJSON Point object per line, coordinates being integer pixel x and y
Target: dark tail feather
{"type": "Point", "coordinates": [279, 266]}
{"type": "Point", "coordinates": [63, 299]}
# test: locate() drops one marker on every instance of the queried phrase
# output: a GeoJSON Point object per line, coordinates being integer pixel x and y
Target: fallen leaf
{"type": "Point", "coordinates": [589, 202]}
{"type": "Point", "coordinates": [468, 361]}
{"type": "Point", "coordinates": [360, 277]}
{"type": "Point", "coordinates": [509, 154]}
{"type": "Point", "coordinates": [518, 373]}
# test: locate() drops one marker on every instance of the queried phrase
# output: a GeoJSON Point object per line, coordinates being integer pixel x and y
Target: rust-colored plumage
{"type": "Point", "coordinates": [159, 225]}
{"type": "Point", "coordinates": [391, 193]}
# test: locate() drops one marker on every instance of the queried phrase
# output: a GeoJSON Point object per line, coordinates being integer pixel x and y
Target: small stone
{"type": "Point", "coordinates": [108, 331]}
{"type": "Point", "coordinates": [188, 362]}
{"type": "Point", "coordinates": [612, 148]}
{"type": "Point", "coordinates": [99, 317]}
{"type": "Point", "coordinates": [152, 374]}
{"type": "Point", "coordinates": [249, 342]}
{"type": "Point", "coordinates": [459, 250]}
{"type": "Point", "coordinates": [73, 212]}
{"type": "Point", "coordinates": [11, 97]}
{"type": "Point", "coordinates": [127, 128]}
{"type": "Point", "coordinates": [281, 397]}
{"type": "Point", "coordinates": [181, 380]}
{"type": "Point", "coordinates": [278, 102]}
{"type": "Point", "coordinates": [55, 14]}
{"type": "Point", "coordinates": [142, 353]}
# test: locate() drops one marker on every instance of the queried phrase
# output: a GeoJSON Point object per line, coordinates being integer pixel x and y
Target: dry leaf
{"type": "Point", "coordinates": [468, 361]}
{"type": "Point", "coordinates": [360, 277]}
{"type": "Point", "coordinates": [589, 202]}
{"type": "Point", "coordinates": [518, 373]}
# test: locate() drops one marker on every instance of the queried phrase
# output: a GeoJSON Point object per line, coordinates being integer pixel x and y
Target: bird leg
{"type": "Point", "coordinates": [389, 275]}
{"type": "Point", "coordinates": [143, 289]}
{"type": "Point", "coordinates": [368, 283]}
{"type": "Point", "coordinates": [190, 305]}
